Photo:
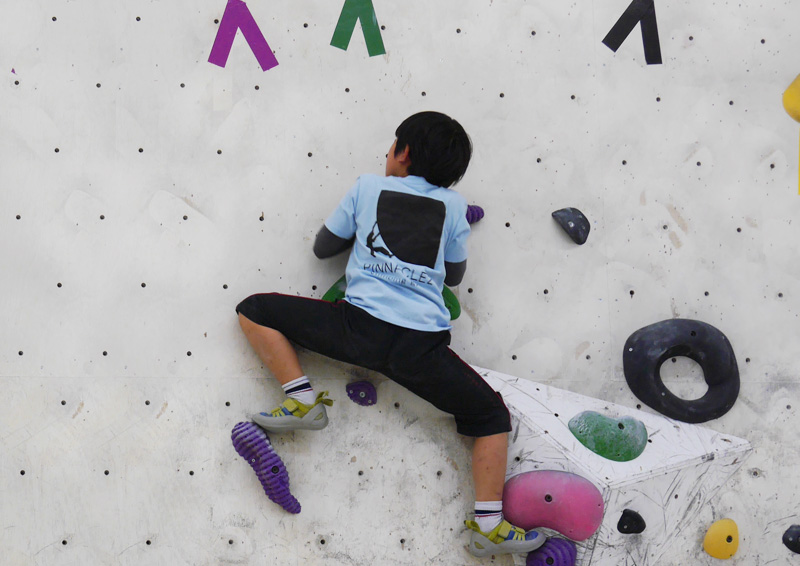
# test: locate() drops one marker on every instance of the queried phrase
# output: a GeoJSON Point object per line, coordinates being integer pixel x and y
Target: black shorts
{"type": "Point", "coordinates": [420, 361]}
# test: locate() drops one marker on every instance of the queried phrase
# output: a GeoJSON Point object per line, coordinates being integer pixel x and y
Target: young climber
{"type": "Point", "coordinates": [408, 234]}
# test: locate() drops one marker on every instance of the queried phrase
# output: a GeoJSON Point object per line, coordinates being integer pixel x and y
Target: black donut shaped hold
{"type": "Point", "coordinates": [651, 346]}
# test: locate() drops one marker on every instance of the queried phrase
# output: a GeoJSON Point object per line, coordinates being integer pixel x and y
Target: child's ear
{"type": "Point", "coordinates": [404, 156]}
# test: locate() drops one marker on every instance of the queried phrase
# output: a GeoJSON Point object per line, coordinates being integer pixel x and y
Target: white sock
{"type": "Point", "coordinates": [300, 390]}
{"type": "Point", "coordinates": [488, 514]}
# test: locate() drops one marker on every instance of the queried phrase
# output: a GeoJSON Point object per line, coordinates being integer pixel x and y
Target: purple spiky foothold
{"type": "Point", "coordinates": [362, 392]}
{"type": "Point", "coordinates": [554, 552]}
{"type": "Point", "coordinates": [474, 213]}
{"type": "Point", "coordinates": [252, 443]}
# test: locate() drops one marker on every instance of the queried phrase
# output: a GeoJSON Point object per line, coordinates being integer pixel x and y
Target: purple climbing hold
{"type": "Point", "coordinates": [554, 552]}
{"type": "Point", "coordinates": [362, 393]}
{"type": "Point", "coordinates": [474, 213]}
{"type": "Point", "coordinates": [252, 443]}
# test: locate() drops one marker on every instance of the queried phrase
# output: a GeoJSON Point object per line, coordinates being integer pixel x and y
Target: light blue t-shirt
{"type": "Point", "coordinates": [405, 229]}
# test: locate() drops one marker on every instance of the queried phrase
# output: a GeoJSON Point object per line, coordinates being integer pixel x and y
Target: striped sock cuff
{"type": "Point", "coordinates": [488, 508]}
{"type": "Point", "coordinates": [299, 385]}
{"type": "Point", "coordinates": [488, 514]}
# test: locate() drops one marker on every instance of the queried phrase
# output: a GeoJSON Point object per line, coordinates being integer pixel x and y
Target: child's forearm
{"type": "Point", "coordinates": [328, 244]}
{"type": "Point", "coordinates": [454, 272]}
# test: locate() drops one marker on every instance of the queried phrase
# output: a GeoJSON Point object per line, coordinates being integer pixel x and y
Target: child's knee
{"type": "Point", "coordinates": [253, 308]}
{"type": "Point", "coordinates": [494, 420]}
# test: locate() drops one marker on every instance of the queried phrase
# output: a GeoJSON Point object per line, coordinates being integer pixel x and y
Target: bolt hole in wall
{"type": "Point", "coordinates": [684, 378]}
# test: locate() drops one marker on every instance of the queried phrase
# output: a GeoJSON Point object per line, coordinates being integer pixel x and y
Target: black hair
{"type": "Point", "coordinates": [439, 148]}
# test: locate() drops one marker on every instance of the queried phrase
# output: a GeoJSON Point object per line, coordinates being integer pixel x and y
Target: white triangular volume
{"type": "Point", "coordinates": [682, 466]}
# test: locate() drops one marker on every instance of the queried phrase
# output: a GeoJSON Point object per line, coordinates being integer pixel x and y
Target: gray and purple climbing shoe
{"type": "Point", "coordinates": [294, 415]}
{"type": "Point", "coordinates": [505, 538]}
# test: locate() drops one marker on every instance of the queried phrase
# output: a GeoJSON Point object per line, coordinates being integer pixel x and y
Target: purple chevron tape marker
{"type": "Point", "coordinates": [252, 443]}
{"type": "Point", "coordinates": [237, 16]}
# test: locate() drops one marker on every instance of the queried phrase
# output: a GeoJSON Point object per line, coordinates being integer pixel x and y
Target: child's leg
{"type": "Point", "coordinates": [426, 366]}
{"type": "Point", "coordinates": [489, 455]}
{"type": "Point", "coordinates": [270, 321]}
{"type": "Point", "coordinates": [274, 350]}
{"type": "Point", "coordinates": [302, 409]}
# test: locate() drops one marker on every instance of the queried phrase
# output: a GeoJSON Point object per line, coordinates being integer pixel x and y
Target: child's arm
{"type": "Point", "coordinates": [328, 244]}
{"type": "Point", "coordinates": [454, 272]}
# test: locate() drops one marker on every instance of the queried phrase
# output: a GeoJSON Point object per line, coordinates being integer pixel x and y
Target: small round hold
{"type": "Point", "coordinates": [362, 393]}
{"type": "Point", "coordinates": [791, 99]}
{"type": "Point", "coordinates": [574, 224]}
{"type": "Point", "coordinates": [791, 538]}
{"type": "Point", "coordinates": [722, 539]}
{"type": "Point", "coordinates": [631, 523]}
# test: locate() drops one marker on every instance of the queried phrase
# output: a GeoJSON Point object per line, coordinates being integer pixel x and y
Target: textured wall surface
{"type": "Point", "coordinates": [144, 191]}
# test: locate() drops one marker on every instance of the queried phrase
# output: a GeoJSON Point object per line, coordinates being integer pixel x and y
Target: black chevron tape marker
{"type": "Point", "coordinates": [643, 11]}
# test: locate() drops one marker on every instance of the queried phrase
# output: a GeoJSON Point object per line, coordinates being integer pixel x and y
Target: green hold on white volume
{"type": "Point", "coordinates": [620, 440]}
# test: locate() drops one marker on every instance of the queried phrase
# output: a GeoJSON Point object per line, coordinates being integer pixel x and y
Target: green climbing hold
{"type": "Point", "coordinates": [451, 303]}
{"type": "Point", "coordinates": [337, 290]}
{"type": "Point", "coordinates": [620, 440]}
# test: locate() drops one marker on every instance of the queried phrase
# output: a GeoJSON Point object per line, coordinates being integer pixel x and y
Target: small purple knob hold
{"type": "Point", "coordinates": [474, 213]}
{"type": "Point", "coordinates": [554, 552]}
{"type": "Point", "coordinates": [252, 443]}
{"type": "Point", "coordinates": [362, 393]}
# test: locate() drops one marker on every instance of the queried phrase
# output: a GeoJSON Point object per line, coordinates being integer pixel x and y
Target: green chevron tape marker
{"type": "Point", "coordinates": [352, 11]}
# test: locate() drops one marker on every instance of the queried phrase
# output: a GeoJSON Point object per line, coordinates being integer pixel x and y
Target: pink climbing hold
{"type": "Point", "coordinates": [564, 502]}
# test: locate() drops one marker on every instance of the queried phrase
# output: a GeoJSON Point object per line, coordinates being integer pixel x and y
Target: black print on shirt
{"type": "Point", "coordinates": [410, 226]}
{"type": "Point", "coordinates": [371, 243]}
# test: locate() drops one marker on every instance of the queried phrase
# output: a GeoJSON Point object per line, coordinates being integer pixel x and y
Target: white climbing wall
{"type": "Point", "coordinates": [144, 191]}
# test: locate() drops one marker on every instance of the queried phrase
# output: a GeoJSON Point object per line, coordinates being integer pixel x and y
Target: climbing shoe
{"type": "Point", "coordinates": [505, 538]}
{"type": "Point", "coordinates": [294, 415]}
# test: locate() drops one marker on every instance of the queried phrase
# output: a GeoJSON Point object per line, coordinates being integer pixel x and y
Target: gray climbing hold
{"type": "Point", "coordinates": [791, 538]}
{"type": "Point", "coordinates": [631, 523]}
{"type": "Point", "coordinates": [649, 347]}
{"type": "Point", "coordinates": [574, 224]}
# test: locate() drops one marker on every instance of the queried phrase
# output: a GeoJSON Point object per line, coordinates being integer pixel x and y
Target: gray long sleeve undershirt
{"type": "Point", "coordinates": [327, 244]}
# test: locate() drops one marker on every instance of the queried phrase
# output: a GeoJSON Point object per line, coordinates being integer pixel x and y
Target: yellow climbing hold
{"type": "Point", "coordinates": [722, 539]}
{"type": "Point", "coordinates": [791, 102]}
{"type": "Point", "coordinates": [791, 99]}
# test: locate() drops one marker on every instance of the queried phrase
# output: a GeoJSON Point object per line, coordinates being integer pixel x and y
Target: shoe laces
{"type": "Point", "coordinates": [515, 533]}
{"type": "Point", "coordinates": [287, 409]}
{"type": "Point", "coordinates": [292, 406]}
{"type": "Point", "coordinates": [505, 531]}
